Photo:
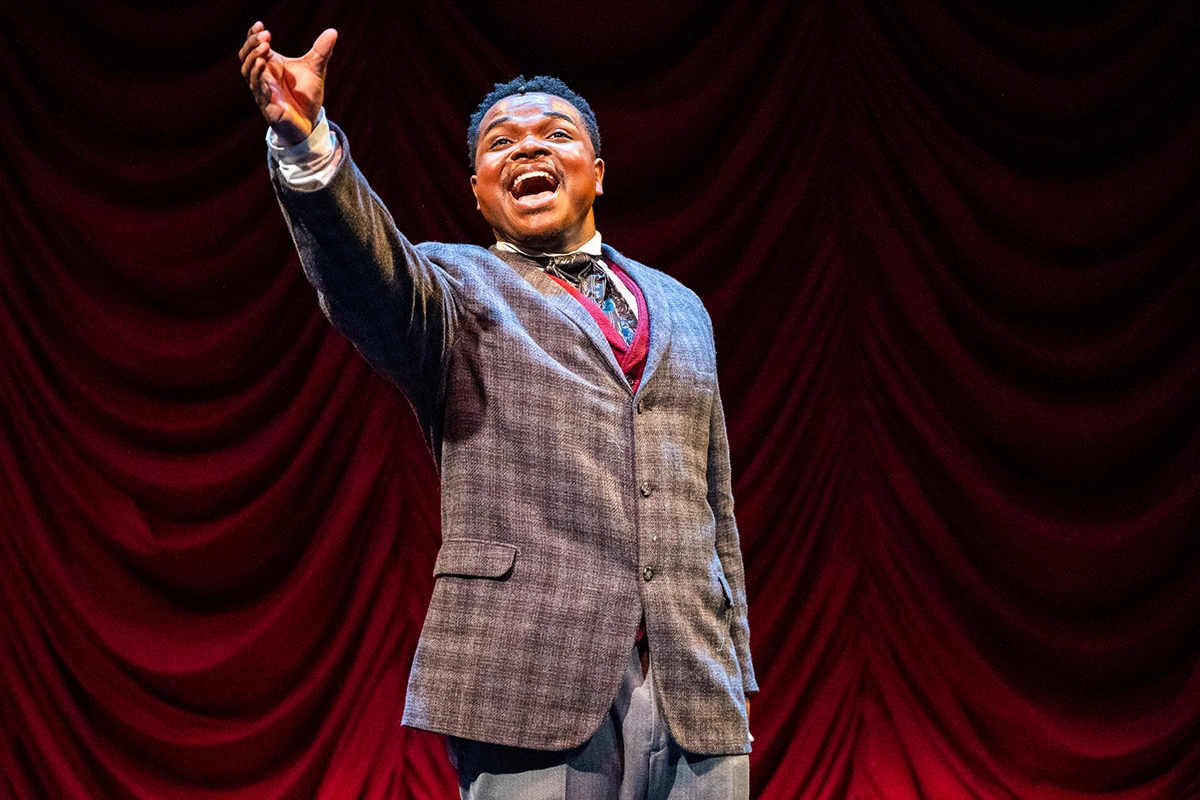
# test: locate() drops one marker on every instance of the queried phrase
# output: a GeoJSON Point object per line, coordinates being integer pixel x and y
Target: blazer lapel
{"type": "Point", "coordinates": [563, 302]}
{"type": "Point", "coordinates": [658, 311]}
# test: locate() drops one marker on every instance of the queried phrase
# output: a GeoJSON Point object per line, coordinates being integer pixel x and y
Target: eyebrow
{"type": "Point", "coordinates": [499, 120]}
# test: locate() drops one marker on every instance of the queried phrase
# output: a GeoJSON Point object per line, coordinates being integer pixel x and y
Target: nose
{"type": "Point", "coordinates": [530, 147]}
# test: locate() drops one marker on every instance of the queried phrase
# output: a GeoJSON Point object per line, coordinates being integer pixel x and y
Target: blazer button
{"type": "Point", "coordinates": [646, 489]}
{"type": "Point", "coordinates": [647, 573]}
{"type": "Point", "coordinates": [641, 406]}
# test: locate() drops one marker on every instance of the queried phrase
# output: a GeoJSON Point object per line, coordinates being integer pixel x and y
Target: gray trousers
{"type": "Point", "coordinates": [631, 757]}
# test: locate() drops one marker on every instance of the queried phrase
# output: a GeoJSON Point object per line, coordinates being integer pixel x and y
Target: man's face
{"type": "Point", "coordinates": [536, 173]}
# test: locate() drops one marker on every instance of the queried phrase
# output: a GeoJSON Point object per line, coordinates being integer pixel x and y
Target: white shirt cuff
{"type": "Point", "coordinates": [311, 164]}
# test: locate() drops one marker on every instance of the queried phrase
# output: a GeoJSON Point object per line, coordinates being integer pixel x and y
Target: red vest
{"type": "Point", "coordinates": [632, 356]}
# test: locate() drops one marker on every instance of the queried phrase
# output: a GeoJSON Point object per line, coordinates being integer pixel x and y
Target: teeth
{"type": "Point", "coordinates": [537, 173]}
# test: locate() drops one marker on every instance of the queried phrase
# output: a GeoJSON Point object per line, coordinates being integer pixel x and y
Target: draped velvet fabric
{"type": "Point", "coordinates": [950, 251]}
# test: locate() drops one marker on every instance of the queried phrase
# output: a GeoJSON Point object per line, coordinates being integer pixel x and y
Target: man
{"type": "Point", "coordinates": [587, 634]}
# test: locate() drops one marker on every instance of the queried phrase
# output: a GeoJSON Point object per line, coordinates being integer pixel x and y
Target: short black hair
{"type": "Point", "coordinates": [545, 84]}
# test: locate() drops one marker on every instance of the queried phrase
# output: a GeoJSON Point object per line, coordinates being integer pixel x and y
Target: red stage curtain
{"type": "Point", "coordinates": [950, 251]}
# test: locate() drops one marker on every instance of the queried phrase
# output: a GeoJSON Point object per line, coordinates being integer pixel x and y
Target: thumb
{"type": "Point", "coordinates": [322, 49]}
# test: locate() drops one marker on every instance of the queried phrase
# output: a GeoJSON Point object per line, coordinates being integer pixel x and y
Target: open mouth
{"type": "Point", "coordinates": [534, 185]}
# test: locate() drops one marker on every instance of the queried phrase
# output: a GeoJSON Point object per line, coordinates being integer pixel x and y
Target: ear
{"type": "Point", "coordinates": [599, 167]}
{"type": "Point", "coordinates": [475, 191]}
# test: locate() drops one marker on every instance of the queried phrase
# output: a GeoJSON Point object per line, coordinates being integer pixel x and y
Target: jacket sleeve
{"type": "Point", "coordinates": [720, 499]}
{"type": "Point", "coordinates": [396, 305]}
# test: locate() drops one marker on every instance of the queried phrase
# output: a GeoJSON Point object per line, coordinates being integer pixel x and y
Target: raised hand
{"type": "Point", "coordinates": [289, 91]}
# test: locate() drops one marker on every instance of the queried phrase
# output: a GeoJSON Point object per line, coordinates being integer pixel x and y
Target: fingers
{"type": "Point", "coordinates": [257, 45]}
{"type": "Point", "coordinates": [258, 88]}
{"type": "Point", "coordinates": [255, 76]}
{"type": "Point", "coordinates": [255, 35]}
{"type": "Point", "coordinates": [322, 49]}
{"type": "Point", "coordinates": [261, 52]}
{"type": "Point", "coordinates": [265, 88]}
{"type": "Point", "coordinates": [748, 719]}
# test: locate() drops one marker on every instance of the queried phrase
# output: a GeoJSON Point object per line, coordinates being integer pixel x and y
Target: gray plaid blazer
{"type": "Point", "coordinates": [570, 505]}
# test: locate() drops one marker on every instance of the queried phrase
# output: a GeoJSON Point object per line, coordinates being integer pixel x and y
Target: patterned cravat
{"type": "Point", "coordinates": [581, 271]}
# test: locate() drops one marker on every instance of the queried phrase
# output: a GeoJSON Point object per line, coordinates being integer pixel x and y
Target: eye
{"type": "Point", "coordinates": [498, 141]}
{"type": "Point", "coordinates": [560, 134]}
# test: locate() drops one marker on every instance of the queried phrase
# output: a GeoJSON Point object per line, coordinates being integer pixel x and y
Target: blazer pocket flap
{"type": "Point", "coordinates": [474, 558]}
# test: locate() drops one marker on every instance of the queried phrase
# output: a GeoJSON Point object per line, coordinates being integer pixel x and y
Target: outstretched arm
{"type": "Point", "coordinates": [289, 91]}
{"type": "Point", "coordinates": [383, 293]}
